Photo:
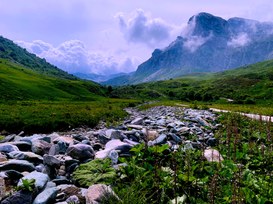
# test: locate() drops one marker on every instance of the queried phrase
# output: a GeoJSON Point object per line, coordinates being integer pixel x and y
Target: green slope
{"type": "Point", "coordinates": [250, 84]}
{"type": "Point", "coordinates": [20, 83]}
{"type": "Point", "coordinates": [13, 52]}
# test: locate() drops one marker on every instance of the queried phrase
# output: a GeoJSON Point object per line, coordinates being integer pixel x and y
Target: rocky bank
{"type": "Point", "coordinates": [51, 159]}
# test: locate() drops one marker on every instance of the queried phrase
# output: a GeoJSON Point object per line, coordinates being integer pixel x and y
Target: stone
{"type": "Point", "coordinates": [46, 196]}
{"type": "Point", "coordinates": [212, 142]}
{"type": "Point", "coordinates": [97, 193]}
{"type": "Point", "coordinates": [3, 157]}
{"type": "Point", "coordinates": [22, 145]}
{"type": "Point", "coordinates": [114, 134]}
{"type": "Point", "coordinates": [40, 147]}
{"type": "Point", "coordinates": [67, 190]}
{"type": "Point", "coordinates": [73, 199]}
{"type": "Point", "coordinates": [152, 135]}
{"type": "Point", "coordinates": [137, 121]}
{"type": "Point", "coordinates": [6, 148]}
{"type": "Point", "coordinates": [137, 127]}
{"type": "Point", "coordinates": [40, 179]}
{"type": "Point", "coordinates": [17, 165]}
{"type": "Point", "coordinates": [51, 161]}
{"type": "Point", "coordinates": [19, 197]}
{"type": "Point", "coordinates": [8, 138]}
{"type": "Point", "coordinates": [213, 155]}
{"type": "Point", "coordinates": [65, 139]}
{"type": "Point", "coordinates": [81, 151]}
{"type": "Point", "coordinates": [102, 137]}
{"type": "Point", "coordinates": [160, 140]}
{"type": "Point", "coordinates": [29, 156]}
{"type": "Point", "coordinates": [59, 148]}
{"type": "Point", "coordinates": [184, 130]}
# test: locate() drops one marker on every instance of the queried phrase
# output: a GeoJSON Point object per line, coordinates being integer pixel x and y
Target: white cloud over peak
{"type": "Point", "coordinates": [72, 56]}
{"type": "Point", "coordinates": [193, 42]}
{"type": "Point", "coordinates": [240, 40]}
{"type": "Point", "coordinates": [142, 28]}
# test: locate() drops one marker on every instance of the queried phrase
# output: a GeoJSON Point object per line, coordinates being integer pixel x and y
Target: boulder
{"type": "Point", "coordinates": [40, 147]}
{"type": "Point", "coordinates": [99, 192]}
{"type": "Point", "coordinates": [6, 148]}
{"type": "Point", "coordinates": [19, 197]}
{"type": "Point", "coordinates": [213, 155]}
{"type": "Point", "coordinates": [46, 196]}
{"type": "Point", "coordinates": [17, 165]}
{"type": "Point", "coordinates": [81, 151]}
{"type": "Point", "coordinates": [29, 156]}
{"type": "Point", "coordinates": [40, 179]}
{"type": "Point", "coordinates": [137, 121]}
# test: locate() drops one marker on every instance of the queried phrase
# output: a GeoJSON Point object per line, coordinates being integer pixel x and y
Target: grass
{"type": "Point", "coordinates": [45, 116]}
{"type": "Point", "coordinates": [247, 85]}
{"type": "Point", "coordinates": [158, 175]}
{"type": "Point", "coordinates": [19, 83]}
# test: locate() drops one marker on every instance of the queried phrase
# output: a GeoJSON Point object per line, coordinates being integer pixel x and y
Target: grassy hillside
{"type": "Point", "coordinates": [38, 103]}
{"type": "Point", "coordinates": [248, 85]}
{"type": "Point", "coordinates": [13, 52]}
{"type": "Point", "coordinates": [19, 83]}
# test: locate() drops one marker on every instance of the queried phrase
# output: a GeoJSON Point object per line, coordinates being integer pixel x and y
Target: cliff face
{"type": "Point", "coordinates": [208, 44]}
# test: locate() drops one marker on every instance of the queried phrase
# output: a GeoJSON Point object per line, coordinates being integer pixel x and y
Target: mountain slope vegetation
{"type": "Point", "coordinates": [249, 84]}
{"type": "Point", "coordinates": [20, 83]}
{"type": "Point", "coordinates": [9, 50]}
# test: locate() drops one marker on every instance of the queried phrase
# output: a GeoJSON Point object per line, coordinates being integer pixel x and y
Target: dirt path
{"type": "Point", "coordinates": [249, 115]}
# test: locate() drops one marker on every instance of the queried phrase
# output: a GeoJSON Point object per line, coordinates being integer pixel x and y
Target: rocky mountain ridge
{"type": "Point", "coordinates": [208, 44]}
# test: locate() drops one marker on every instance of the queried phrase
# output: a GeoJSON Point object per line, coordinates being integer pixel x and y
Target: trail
{"type": "Point", "coordinates": [249, 115]}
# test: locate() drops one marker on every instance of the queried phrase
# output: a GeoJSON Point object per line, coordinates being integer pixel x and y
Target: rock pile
{"type": "Point", "coordinates": [51, 159]}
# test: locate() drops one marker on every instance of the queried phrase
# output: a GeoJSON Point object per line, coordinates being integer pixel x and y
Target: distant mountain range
{"type": "Point", "coordinates": [98, 77]}
{"type": "Point", "coordinates": [208, 44]}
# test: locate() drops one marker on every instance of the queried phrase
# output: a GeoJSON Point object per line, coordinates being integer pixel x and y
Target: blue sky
{"type": "Point", "coordinates": [109, 36]}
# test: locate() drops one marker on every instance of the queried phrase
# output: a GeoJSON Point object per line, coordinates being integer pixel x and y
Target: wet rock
{"type": "Point", "coordinates": [81, 151]}
{"type": "Point", "coordinates": [6, 148]}
{"type": "Point", "coordinates": [46, 196]}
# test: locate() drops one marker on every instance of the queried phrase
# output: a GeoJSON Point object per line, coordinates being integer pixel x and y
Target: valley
{"type": "Point", "coordinates": [156, 135]}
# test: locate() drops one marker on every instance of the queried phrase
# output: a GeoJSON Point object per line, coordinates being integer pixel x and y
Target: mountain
{"type": "Point", "coordinates": [208, 44]}
{"type": "Point", "coordinates": [20, 83]}
{"type": "Point", "coordinates": [248, 84]}
{"type": "Point", "coordinates": [24, 76]}
{"type": "Point", "coordinates": [98, 77]}
{"type": "Point", "coordinates": [14, 53]}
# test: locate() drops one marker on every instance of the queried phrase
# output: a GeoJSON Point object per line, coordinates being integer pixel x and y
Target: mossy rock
{"type": "Point", "coordinates": [94, 172]}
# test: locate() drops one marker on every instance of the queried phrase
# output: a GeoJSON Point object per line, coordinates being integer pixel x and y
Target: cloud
{"type": "Point", "coordinates": [72, 56]}
{"type": "Point", "coordinates": [193, 42]}
{"type": "Point", "coordinates": [239, 41]}
{"type": "Point", "coordinates": [141, 28]}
